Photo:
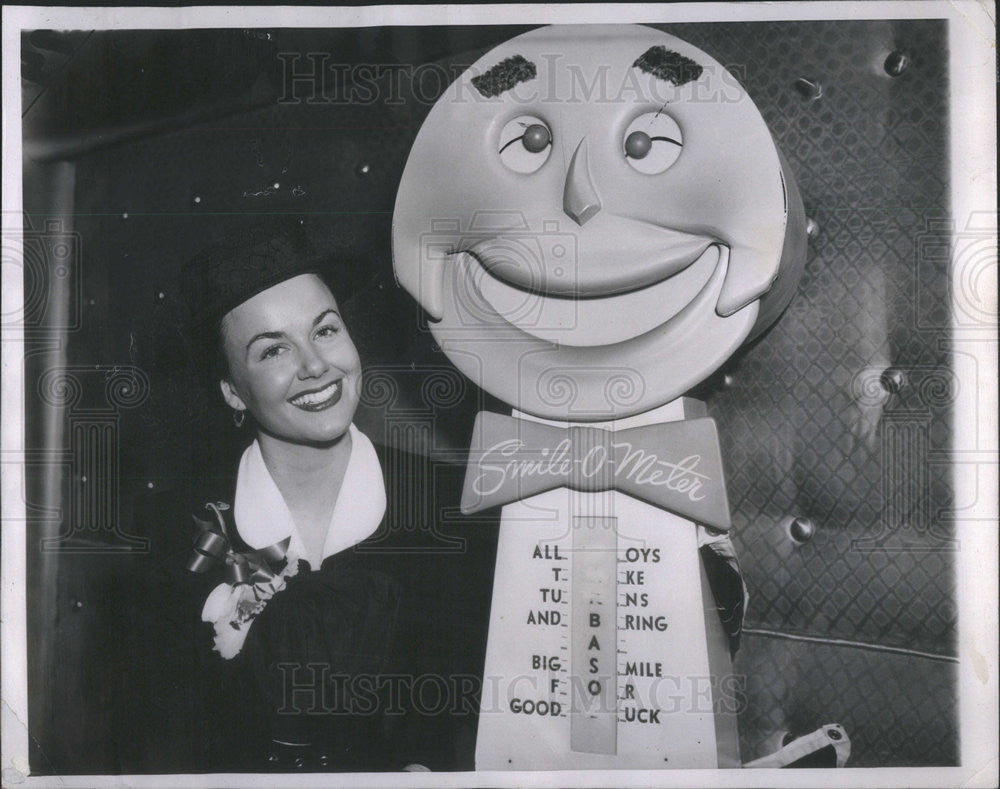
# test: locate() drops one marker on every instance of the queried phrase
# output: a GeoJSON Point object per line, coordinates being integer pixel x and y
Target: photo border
{"type": "Point", "coordinates": [973, 177]}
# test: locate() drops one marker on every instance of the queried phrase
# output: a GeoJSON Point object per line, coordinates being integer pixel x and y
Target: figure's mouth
{"type": "Point", "coordinates": [583, 322]}
{"type": "Point", "coordinates": [319, 399]}
{"type": "Point", "coordinates": [579, 288]}
{"type": "Point", "coordinates": [612, 255]}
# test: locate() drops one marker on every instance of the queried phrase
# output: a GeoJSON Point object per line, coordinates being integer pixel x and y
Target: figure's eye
{"type": "Point", "coordinates": [328, 330]}
{"type": "Point", "coordinates": [270, 352]}
{"type": "Point", "coordinates": [525, 144]}
{"type": "Point", "coordinates": [652, 143]}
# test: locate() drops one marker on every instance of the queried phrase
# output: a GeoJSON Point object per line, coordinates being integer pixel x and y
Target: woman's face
{"type": "Point", "coordinates": [292, 364]}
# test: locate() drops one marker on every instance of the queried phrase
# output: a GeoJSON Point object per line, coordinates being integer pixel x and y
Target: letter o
{"type": "Point", "coordinates": [418, 694]}
{"type": "Point", "coordinates": [417, 82]}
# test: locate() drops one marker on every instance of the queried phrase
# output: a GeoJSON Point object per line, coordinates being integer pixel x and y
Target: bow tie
{"type": "Point", "coordinates": [676, 466]}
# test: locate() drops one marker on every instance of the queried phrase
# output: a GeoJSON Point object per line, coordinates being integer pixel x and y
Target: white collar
{"type": "Point", "coordinates": [262, 517]}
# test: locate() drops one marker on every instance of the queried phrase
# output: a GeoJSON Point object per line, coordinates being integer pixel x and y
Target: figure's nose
{"type": "Point", "coordinates": [580, 200]}
{"type": "Point", "coordinates": [311, 363]}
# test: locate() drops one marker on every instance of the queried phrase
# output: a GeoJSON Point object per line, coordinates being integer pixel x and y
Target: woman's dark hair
{"type": "Point", "coordinates": [219, 369]}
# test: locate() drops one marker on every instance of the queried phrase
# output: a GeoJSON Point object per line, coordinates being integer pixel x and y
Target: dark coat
{"type": "Point", "coordinates": [182, 708]}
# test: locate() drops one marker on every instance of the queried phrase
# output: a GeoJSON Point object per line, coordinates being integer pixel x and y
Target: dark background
{"type": "Point", "coordinates": [141, 146]}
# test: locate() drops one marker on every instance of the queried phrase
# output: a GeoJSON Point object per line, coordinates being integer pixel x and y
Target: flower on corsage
{"type": "Point", "coordinates": [231, 608]}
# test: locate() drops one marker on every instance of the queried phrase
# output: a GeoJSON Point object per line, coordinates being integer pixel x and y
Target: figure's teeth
{"type": "Point", "coordinates": [318, 397]}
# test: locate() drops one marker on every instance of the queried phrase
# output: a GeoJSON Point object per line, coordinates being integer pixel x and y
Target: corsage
{"type": "Point", "coordinates": [251, 577]}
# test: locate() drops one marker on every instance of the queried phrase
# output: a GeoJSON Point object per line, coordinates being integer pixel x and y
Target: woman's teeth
{"type": "Point", "coordinates": [320, 397]}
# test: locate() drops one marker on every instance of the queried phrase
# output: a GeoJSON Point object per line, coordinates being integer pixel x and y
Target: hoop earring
{"type": "Point", "coordinates": [239, 417]}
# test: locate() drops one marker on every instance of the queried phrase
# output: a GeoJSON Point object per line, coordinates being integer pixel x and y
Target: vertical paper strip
{"type": "Point", "coordinates": [593, 677]}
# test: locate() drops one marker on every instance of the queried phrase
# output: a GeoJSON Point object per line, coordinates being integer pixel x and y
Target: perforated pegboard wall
{"type": "Point", "coordinates": [808, 427]}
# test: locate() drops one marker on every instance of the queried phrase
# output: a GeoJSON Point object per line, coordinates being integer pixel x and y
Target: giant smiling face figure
{"type": "Point", "coordinates": [594, 219]}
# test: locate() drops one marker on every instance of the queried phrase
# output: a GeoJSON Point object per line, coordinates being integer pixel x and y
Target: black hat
{"type": "Point", "coordinates": [246, 262]}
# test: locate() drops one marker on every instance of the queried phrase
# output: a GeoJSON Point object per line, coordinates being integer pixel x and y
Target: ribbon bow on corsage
{"type": "Point", "coordinates": [250, 578]}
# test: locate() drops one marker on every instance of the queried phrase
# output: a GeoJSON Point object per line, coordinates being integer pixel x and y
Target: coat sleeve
{"type": "Point", "coordinates": [182, 707]}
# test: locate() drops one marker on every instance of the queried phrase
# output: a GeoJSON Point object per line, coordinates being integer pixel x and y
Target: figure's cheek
{"type": "Point", "coordinates": [352, 360]}
{"type": "Point", "coordinates": [264, 385]}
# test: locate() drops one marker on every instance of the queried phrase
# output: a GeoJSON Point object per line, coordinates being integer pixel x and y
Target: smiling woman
{"type": "Point", "coordinates": [298, 372]}
{"type": "Point", "coordinates": [292, 366]}
{"type": "Point", "coordinates": [300, 607]}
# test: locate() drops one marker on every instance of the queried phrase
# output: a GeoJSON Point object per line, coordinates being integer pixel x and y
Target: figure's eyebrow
{"type": "Point", "coordinates": [277, 335]}
{"type": "Point", "coordinates": [323, 314]}
{"type": "Point", "coordinates": [668, 65]}
{"type": "Point", "coordinates": [265, 335]}
{"type": "Point", "coordinates": [504, 76]}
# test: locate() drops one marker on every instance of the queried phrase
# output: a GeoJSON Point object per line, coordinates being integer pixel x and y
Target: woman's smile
{"type": "Point", "coordinates": [319, 399]}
